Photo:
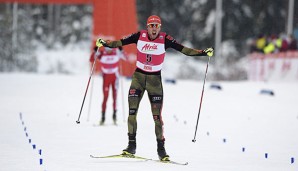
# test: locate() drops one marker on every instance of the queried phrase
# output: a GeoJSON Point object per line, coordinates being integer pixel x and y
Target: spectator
{"type": "Point", "coordinates": [271, 47]}
{"type": "Point", "coordinates": [260, 43]}
{"type": "Point", "coordinates": [292, 43]}
{"type": "Point", "coordinates": [282, 43]}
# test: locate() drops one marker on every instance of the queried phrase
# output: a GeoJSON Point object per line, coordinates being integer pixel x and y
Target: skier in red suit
{"type": "Point", "coordinates": [109, 59]}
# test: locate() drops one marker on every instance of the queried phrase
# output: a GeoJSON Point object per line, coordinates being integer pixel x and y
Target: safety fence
{"type": "Point", "coordinates": [281, 66]}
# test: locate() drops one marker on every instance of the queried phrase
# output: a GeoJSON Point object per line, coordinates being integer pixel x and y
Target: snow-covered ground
{"type": "Point", "coordinates": [46, 107]}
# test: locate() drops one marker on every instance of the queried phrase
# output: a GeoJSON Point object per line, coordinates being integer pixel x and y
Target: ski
{"type": "Point", "coordinates": [168, 161]}
{"type": "Point", "coordinates": [171, 162]}
{"type": "Point", "coordinates": [131, 156]}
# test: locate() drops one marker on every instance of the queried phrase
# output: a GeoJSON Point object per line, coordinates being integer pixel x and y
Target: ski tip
{"type": "Point", "coordinates": [178, 163]}
{"type": "Point", "coordinates": [92, 156]}
{"type": "Point", "coordinates": [172, 162]}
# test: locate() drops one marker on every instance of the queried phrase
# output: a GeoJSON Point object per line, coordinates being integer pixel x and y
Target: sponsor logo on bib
{"type": "Point", "coordinates": [148, 47]}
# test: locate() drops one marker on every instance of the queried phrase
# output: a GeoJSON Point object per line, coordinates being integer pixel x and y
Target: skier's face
{"type": "Point", "coordinates": [153, 30]}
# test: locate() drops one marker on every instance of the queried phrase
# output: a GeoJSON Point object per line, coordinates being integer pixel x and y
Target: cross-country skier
{"type": "Point", "coordinates": [109, 59]}
{"type": "Point", "coordinates": [151, 47]}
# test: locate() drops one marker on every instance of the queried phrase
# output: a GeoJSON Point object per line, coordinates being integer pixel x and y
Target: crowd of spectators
{"type": "Point", "coordinates": [273, 44]}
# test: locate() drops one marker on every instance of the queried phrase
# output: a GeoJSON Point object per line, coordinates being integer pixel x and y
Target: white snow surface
{"type": "Point", "coordinates": [46, 107]}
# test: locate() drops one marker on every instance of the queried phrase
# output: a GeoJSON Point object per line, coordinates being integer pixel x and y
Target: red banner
{"type": "Point", "coordinates": [274, 67]}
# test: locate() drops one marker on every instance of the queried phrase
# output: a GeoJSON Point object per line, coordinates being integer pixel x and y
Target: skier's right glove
{"type": "Point", "coordinates": [208, 51]}
{"type": "Point", "coordinates": [100, 42]}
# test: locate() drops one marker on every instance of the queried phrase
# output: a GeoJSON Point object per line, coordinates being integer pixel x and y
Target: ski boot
{"type": "Point", "coordinates": [115, 117]}
{"type": "Point", "coordinates": [161, 151]}
{"type": "Point", "coordinates": [131, 148]}
{"type": "Point", "coordinates": [103, 118]}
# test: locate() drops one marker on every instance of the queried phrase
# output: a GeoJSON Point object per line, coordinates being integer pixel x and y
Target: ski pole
{"type": "Point", "coordinates": [194, 139]}
{"type": "Point", "coordinates": [90, 100]}
{"type": "Point", "coordinates": [78, 121]}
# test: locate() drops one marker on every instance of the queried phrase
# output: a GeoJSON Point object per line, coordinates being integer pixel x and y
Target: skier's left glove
{"type": "Point", "coordinates": [209, 51]}
{"type": "Point", "coordinates": [100, 42]}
